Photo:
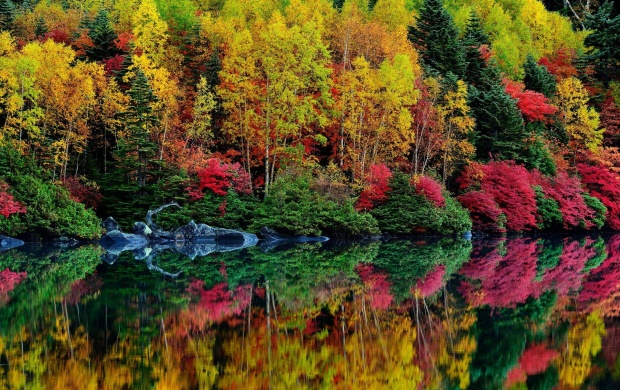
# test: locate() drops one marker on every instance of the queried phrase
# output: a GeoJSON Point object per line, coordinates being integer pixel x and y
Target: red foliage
{"type": "Point", "coordinates": [219, 177]}
{"type": "Point", "coordinates": [509, 186]}
{"type": "Point", "coordinates": [377, 187]}
{"type": "Point", "coordinates": [88, 194]}
{"type": "Point", "coordinates": [113, 64]}
{"type": "Point", "coordinates": [431, 282]}
{"type": "Point", "coordinates": [501, 281]}
{"type": "Point", "coordinates": [483, 210]}
{"type": "Point", "coordinates": [58, 35]}
{"type": "Point", "coordinates": [123, 41]}
{"type": "Point", "coordinates": [610, 121]}
{"type": "Point", "coordinates": [605, 186]}
{"type": "Point", "coordinates": [536, 359]}
{"type": "Point", "coordinates": [82, 288]}
{"type": "Point", "coordinates": [566, 277]}
{"type": "Point", "coordinates": [8, 205]}
{"type": "Point", "coordinates": [561, 65]}
{"type": "Point", "coordinates": [515, 375]}
{"type": "Point", "coordinates": [566, 190]}
{"type": "Point", "coordinates": [378, 285]}
{"type": "Point", "coordinates": [219, 303]}
{"type": "Point", "coordinates": [8, 281]}
{"type": "Point", "coordinates": [534, 106]}
{"type": "Point", "coordinates": [603, 281]}
{"type": "Point", "coordinates": [431, 190]}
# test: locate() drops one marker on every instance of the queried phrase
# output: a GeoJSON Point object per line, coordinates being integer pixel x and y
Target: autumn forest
{"type": "Point", "coordinates": [344, 118]}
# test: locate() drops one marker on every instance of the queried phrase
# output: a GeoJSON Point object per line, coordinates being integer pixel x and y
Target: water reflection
{"type": "Point", "coordinates": [446, 314]}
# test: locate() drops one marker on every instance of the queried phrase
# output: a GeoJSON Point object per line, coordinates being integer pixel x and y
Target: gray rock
{"type": "Point", "coordinates": [116, 242]}
{"type": "Point", "coordinates": [141, 229]}
{"type": "Point", "coordinates": [7, 243]}
{"type": "Point", "coordinates": [110, 224]}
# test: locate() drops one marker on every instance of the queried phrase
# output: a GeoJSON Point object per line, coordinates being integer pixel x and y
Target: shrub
{"type": "Point", "coordinates": [430, 189]}
{"type": "Point", "coordinates": [484, 212]}
{"type": "Point", "coordinates": [377, 187]}
{"type": "Point", "coordinates": [86, 193]}
{"type": "Point", "coordinates": [604, 185]}
{"type": "Point", "coordinates": [567, 192]}
{"type": "Point", "coordinates": [549, 215]}
{"type": "Point", "coordinates": [219, 177]}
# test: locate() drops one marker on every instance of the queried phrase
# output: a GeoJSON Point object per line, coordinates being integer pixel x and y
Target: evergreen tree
{"type": "Point", "coordinates": [437, 40]}
{"type": "Point", "coordinates": [40, 28]}
{"type": "Point", "coordinates": [136, 150]}
{"type": "Point", "coordinates": [103, 36]}
{"type": "Point", "coordinates": [7, 13]}
{"type": "Point", "coordinates": [473, 39]}
{"type": "Point", "coordinates": [499, 126]}
{"type": "Point", "coordinates": [537, 78]}
{"type": "Point", "coordinates": [604, 42]}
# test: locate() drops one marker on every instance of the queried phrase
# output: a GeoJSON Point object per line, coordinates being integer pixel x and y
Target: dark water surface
{"type": "Point", "coordinates": [444, 314]}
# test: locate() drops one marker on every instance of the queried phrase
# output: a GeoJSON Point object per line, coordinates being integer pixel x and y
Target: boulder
{"type": "Point", "coordinates": [141, 229]}
{"type": "Point", "coordinates": [110, 224]}
{"type": "Point", "coordinates": [7, 243]}
{"type": "Point", "coordinates": [117, 241]}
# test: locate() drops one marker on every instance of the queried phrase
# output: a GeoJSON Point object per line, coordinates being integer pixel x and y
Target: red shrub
{"type": "Point", "coordinates": [431, 190]}
{"type": "Point", "coordinates": [219, 303]}
{"type": "Point", "coordinates": [8, 281]}
{"type": "Point", "coordinates": [219, 177]}
{"type": "Point", "coordinates": [377, 187]}
{"type": "Point", "coordinates": [509, 186]}
{"type": "Point", "coordinates": [8, 205]}
{"type": "Point", "coordinates": [86, 193]}
{"type": "Point", "coordinates": [483, 210]}
{"type": "Point", "coordinates": [605, 186]}
{"type": "Point", "coordinates": [566, 190]}
{"type": "Point", "coordinates": [566, 277]}
{"type": "Point", "coordinates": [534, 106]}
{"type": "Point", "coordinates": [536, 359]}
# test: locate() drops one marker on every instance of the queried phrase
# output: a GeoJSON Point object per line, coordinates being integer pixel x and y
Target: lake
{"type": "Point", "coordinates": [516, 313]}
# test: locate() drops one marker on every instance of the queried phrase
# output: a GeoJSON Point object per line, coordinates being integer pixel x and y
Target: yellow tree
{"type": "Point", "coordinates": [580, 121]}
{"type": "Point", "coordinates": [150, 32]}
{"type": "Point", "coordinates": [376, 119]}
{"type": "Point", "coordinates": [584, 343]}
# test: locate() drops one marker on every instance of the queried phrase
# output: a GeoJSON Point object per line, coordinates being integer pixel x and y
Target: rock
{"type": "Point", "coordinates": [7, 243]}
{"type": "Point", "coordinates": [110, 224]}
{"type": "Point", "coordinates": [187, 232]}
{"type": "Point", "coordinates": [117, 241]}
{"type": "Point", "coordinates": [141, 229]}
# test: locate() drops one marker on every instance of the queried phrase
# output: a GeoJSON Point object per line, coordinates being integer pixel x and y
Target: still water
{"type": "Point", "coordinates": [511, 313]}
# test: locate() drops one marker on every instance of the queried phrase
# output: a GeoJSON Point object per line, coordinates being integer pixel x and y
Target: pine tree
{"type": "Point", "coordinates": [604, 42]}
{"type": "Point", "coordinates": [436, 38]}
{"type": "Point", "coordinates": [473, 40]}
{"type": "Point", "coordinates": [136, 150]}
{"type": "Point", "coordinates": [7, 13]}
{"type": "Point", "coordinates": [40, 28]}
{"type": "Point", "coordinates": [103, 36]}
{"type": "Point", "coordinates": [499, 126]}
{"type": "Point", "coordinates": [537, 78]}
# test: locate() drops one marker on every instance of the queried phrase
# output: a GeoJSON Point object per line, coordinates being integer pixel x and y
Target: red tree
{"type": "Point", "coordinates": [88, 193]}
{"type": "Point", "coordinates": [430, 189]}
{"type": "Point", "coordinates": [509, 185]}
{"type": "Point", "coordinates": [534, 106]}
{"type": "Point", "coordinates": [377, 187]}
{"type": "Point", "coordinates": [605, 186]}
{"type": "Point", "coordinates": [8, 205]}
{"type": "Point", "coordinates": [561, 64]}
{"type": "Point", "coordinates": [219, 177]}
{"type": "Point", "coordinates": [610, 121]}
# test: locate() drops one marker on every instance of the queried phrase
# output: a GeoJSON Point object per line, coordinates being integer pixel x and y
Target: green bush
{"type": "Point", "coordinates": [50, 211]}
{"type": "Point", "coordinates": [292, 207]}
{"type": "Point", "coordinates": [600, 211]}
{"type": "Point", "coordinates": [548, 214]}
{"type": "Point", "coordinates": [406, 212]}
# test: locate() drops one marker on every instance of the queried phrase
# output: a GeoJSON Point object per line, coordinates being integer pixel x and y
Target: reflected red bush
{"type": "Point", "coordinates": [378, 285]}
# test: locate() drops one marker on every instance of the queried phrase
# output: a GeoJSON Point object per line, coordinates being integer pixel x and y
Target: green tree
{"type": "Point", "coordinates": [103, 36]}
{"type": "Point", "coordinates": [604, 41]}
{"type": "Point", "coordinates": [537, 78]}
{"type": "Point", "coordinates": [473, 40]}
{"type": "Point", "coordinates": [7, 13]}
{"type": "Point", "coordinates": [437, 39]}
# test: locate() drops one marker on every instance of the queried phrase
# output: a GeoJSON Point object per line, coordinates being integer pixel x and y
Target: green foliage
{"type": "Point", "coordinates": [599, 257]}
{"type": "Point", "coordinates": [437, 40]}
{"type": "Point", "coordinates": [604, 41]}
{"type": "Point", "coordinates": [600, 211]}
{"type": "Point", "coordinates": [537, 78]}
{"type": "Point", "coordinates": [49, 209]}
{"type": "Point", "coordinates": [548, 214]}
{"type": "Point", "coordinates": [103, 36]}
{"type": "Point", "coordinates": [292, 207]}
{"type": "Point", "coordinates": [7, 14]}
{"type": "Point", "coordinates": [406, 212]}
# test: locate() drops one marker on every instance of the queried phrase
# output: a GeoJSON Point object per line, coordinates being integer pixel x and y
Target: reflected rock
{"type": "Point", "coordinates": [116, 242]}
{"type": "Point", "coordinates": [141, 229]}
{"type": "Point", "coordinates": [270, 239]}
{"type": "Point", "coordinates": [7, 243]}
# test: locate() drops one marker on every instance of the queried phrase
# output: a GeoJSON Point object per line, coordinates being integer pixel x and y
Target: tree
{"type": "Point", "coordinates": [437, 40]}
{"type": "Point", "coordinates": [475, 40]}
{"type": "Point", "coordinates": [7, 13]}
{"type": "Point", "coordinates": [580, 121]}
{"type": "Point", "coordinates": [534, 106]}
{"type": "Point", "coordinates": [604, 41]}
{"type": "Point", "coordinates": [103, 37]}
{"type": "Point", "coordinates": [537, 78]}
{"type": "Point", "coordinates": [150, 32]}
